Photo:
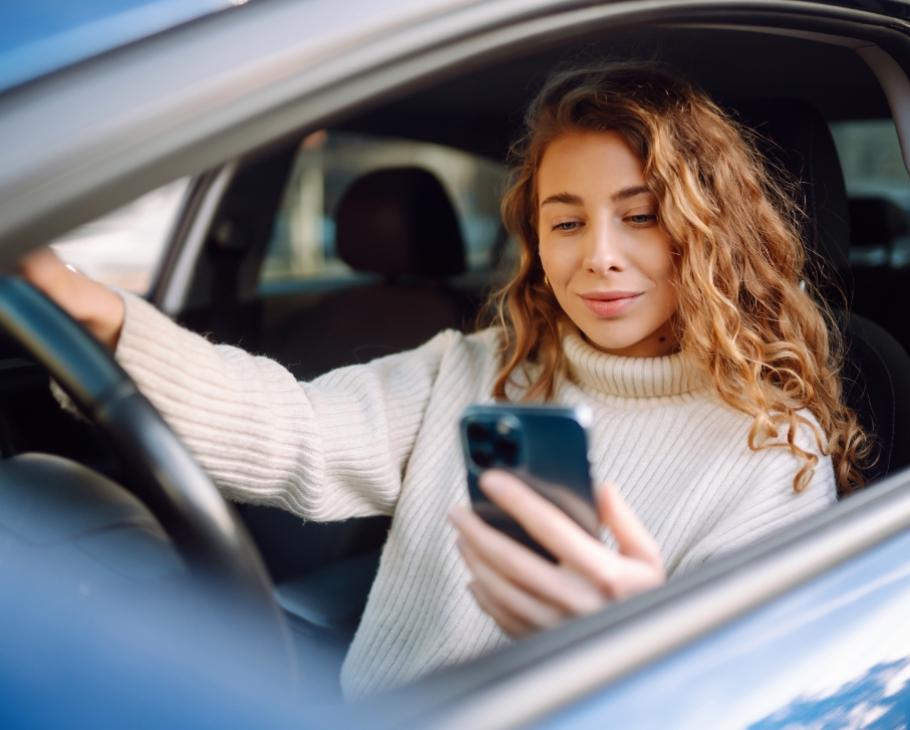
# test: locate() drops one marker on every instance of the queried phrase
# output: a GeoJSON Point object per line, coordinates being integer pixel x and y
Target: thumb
{"type": "Point", "coordinates": [631, 535]}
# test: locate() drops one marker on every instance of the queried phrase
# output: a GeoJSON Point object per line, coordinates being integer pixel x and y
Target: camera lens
{"type": "Point", "coordinates": [482, 453]}
{"type": "Point", "coordinates": [506, 451]}
{"type": "Point", "coordinates": [479, 431]}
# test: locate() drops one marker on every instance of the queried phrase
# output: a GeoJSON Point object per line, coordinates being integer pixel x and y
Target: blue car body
{"type": "Point", "coordinates": [41, 36]}
{"type": "Point", "coordinates": [834, 653]}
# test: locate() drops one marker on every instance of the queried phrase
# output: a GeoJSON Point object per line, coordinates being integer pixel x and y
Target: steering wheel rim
{"type": "Point", "coordinates": [204, 529]}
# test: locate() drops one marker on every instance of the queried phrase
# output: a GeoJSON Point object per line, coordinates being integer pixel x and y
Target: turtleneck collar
{"type": "Point", "coordinates": [630, 377]}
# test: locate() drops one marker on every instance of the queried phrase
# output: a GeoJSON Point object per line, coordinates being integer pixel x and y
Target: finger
{"type": "Point", "coordinates": [552, 528]}
{"type": "Point", "coordinates": [44, 269]}
{"type": "Point", "coordinates": [509, 624]}
{"type": "Point", "coordinates": [524, 568]}
{"type": "Point", "coordinates": [39, 258]}
{"type": "Point", "coordinates": [525, 606]}
{"type": "Point", "coordinates": [637, 576]}
{"type": "Point", "coordinates": [632, 536]}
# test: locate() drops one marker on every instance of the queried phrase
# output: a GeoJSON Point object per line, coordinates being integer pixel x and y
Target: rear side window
{"type": "Point", "coordinates": [124, 248]}
{"type": "Point", "coordinates": [302, 251]}
{"type": "Point", "coordinates": [879, 189]}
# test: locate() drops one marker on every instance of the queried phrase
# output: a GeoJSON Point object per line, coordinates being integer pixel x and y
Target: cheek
{"type": "Point", "coordinates": [660, 263]}
{"type": "Point", "coordinates": [660, 267]}
{"type": "Point", "coordinates": [666, 276]}
{"type": "Point", "coordinates": [548, 260]}
{"type": "Point", "coordinates": [558, 261]}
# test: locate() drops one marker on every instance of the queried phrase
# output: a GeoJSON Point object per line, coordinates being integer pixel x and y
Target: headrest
{"type": "Point", "coordinates": [797, 138]}
{"type": "Point", "coordinates": [875, 222]}
{"type": "Point", "coordinates": [399, 220]}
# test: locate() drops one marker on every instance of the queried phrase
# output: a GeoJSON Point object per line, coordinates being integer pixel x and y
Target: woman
{"type": "Point", "coordinates": [659, 285]}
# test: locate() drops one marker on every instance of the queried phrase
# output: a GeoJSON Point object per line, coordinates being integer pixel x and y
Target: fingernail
{"type": "Point", "coordinates": [456, 515]}
{"type": "Point", "coordinates": [492, 481]}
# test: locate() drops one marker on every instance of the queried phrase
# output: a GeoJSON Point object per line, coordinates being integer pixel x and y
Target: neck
{"type": "Point", "coordinates": [660, 343]}
{"type": "Point", "coordinates": [625, 376]}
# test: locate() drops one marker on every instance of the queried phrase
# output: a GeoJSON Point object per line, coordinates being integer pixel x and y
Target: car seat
{"type": "Point", "coordinates": [875, 225]}
{"type": "Point", "coordinates": [397, 224]}
{"type": "Point", "coordinates": [876, 374]}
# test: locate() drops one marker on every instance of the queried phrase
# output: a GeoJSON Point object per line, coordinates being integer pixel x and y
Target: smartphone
{"type": "Point", "coordinates": [544, 446]}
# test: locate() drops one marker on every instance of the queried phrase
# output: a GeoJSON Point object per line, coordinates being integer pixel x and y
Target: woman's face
{"type": "Point", "coordinates": [608, 260]}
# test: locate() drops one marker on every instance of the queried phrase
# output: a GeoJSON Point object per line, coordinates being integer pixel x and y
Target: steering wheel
{"type": "Point", "coordinates": [202, 526]}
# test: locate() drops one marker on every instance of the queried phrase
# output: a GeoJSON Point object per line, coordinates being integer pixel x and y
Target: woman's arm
{"type": "Point", "coordinates": [765, 503]}
{"type": "Point", "coordinates": [330, 449]}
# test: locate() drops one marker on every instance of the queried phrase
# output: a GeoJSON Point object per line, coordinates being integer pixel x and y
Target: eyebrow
{"type": "Point", "coordinates": [572, 199]}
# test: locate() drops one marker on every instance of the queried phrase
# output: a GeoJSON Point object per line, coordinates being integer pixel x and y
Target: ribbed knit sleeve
{"type": "Point", "coordinates": [330, 449]}
{"type": "Point", "coordinates": [763, 501]}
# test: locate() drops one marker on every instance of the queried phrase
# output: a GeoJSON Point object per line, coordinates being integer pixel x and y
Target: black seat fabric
{"type": "Point", "coordinates": [795, 138]}
{"type": "Point", "coordinates": [876, 375]}
{"type": "Point", "coordinates": [879, 392]}
{"type": "Point", "coordinates": [875, 223]}
{"type": "Point", "coordinates": [399, 225]}
{"type": "Point", "coordinates": [398, 222]}
{"type": "Point", "coordinates": [875, 226]}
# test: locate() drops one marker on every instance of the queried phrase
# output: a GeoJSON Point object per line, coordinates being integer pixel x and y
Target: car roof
{"type": "Point", "coordinates": [769, 67]}
{"type": "Point", "coordinates": [41, 36]}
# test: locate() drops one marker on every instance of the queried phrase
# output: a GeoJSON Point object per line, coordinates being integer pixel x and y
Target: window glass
{"type": "Point", "coordinates": [123, 249]}
{"type": "Point", "coordinates": [302, 247]}
{"type": "Point", "coordinates": [874, 171]}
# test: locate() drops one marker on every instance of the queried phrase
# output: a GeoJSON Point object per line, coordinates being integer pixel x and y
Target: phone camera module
{"type": "Point", "coordinates": [494, 443]}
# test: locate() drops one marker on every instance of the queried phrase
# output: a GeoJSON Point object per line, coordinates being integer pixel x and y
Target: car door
{"type": "Point", "coordinates": [767, 638]}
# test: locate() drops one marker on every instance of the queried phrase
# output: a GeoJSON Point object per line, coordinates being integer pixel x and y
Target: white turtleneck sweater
{"type": "Point", "coordinates": [382, 438]}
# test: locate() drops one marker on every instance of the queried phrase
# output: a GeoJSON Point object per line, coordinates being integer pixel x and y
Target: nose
{"type": "Point", "coordinates": [603, 250]}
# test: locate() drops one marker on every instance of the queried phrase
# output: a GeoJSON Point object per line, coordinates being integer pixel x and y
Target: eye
{"type": "Point", "coordinates": [566, 226]}
{"type": "Point", "coordinates": [641, 219]}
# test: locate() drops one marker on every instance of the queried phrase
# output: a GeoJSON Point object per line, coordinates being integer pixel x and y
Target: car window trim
{"type": "Point", "coordinates": [171, 287]}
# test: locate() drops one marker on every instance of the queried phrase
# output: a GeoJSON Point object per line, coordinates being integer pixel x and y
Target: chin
{"type": "Point", "coordinates": [619, 337]}
{"type": "Point", "coordinates": [617, 345]}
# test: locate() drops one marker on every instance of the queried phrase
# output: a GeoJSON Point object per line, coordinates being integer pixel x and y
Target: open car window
{"type": "Point", "coordinates": [302, 249]}
{"type": "Point", "coordinates": [879, 188]}
{"type": "Point", "coordinates": [124, 248]}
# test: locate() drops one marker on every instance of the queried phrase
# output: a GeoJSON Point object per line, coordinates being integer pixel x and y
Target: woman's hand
{"type": "Point", "coordinates": [87, 301]}
{"type": "Point", "coordinates": [523, 592]}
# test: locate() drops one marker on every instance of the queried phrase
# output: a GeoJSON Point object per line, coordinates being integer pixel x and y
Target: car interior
{"type": "Point", "coordinates": [338, 245]}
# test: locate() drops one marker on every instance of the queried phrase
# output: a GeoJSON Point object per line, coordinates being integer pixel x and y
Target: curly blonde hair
{"type": "Point", "coordinates": [745, 312]}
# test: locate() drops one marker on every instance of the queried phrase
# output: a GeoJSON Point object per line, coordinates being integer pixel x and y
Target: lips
{"type": "Point", "coordinates": [609, 304]}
